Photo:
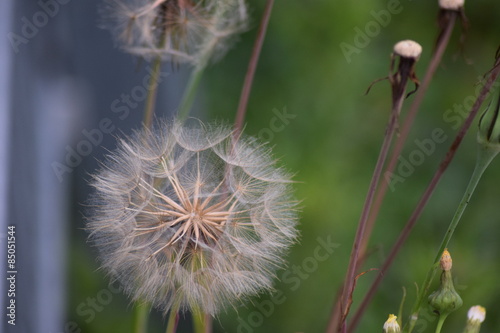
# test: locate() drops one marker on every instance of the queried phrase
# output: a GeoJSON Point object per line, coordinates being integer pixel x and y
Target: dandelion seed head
{"type": "Point", "coordinates": [187, 217]}
{"type": "Point", "coordinates": [185, 31]}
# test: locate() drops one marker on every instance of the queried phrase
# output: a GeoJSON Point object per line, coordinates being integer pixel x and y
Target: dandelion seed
{"type": "Point", "coordinates": [188, 218]}
{"type": "Point", "coordinates": [175, 30]}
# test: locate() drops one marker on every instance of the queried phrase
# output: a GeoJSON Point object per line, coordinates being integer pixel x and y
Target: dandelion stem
{"type": "Point", "coordinates": [252, 66]}
{"type": "Point", "coordinates": [493, 74]}
{"type": "Point", "coordinates": [484, 158]}
{"type": "Point", "coordinates": [140, 318]}
{"type": "Point", "coordinates": [151, 96]}
{"type": "Point", "coordinates": [173, 320]}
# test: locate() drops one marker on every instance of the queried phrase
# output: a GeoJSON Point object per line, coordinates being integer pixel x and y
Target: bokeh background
{"type": "Point", "coordinates": [62, 83]}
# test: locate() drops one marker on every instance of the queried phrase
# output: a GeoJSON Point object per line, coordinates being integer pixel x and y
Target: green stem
{"type": "Point", "coordinates": [190, 92]}
{"type": "Point", "coordinates": [440, 323]}
{"type": "Point", "coordinates": [199, 322]}
{"type": "Point", "coordinates": [484, 158]}
{"type": "Point", "coordinates": [152, 90]}
{"type": "Point", "coordinates": [172, 321]}
{"type": "Point", "coordinates": [140, 319]}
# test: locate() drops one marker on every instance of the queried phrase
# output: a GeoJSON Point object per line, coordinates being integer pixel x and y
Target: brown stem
{"type": "Point", "coordinates": [442, 43]}
{"type": "Point", "coordinates": [208, 321]}
{"type": "Point", "coordinates": [252, 66]}
{"type": "Point", "coordinates": [398, 81]}
{"type": "Point", "coordinates": [493, 74]}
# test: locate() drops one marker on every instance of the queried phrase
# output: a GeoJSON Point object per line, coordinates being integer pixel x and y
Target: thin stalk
{"type": "Point", "coordinates": [151, 96]}
{"type": "Point", "coordinates": [208, 323]}
{"type": "Point", "coordinates": [351, 271]}
{"type": "Point", "coordinates": [493, 74]}
{"type": "Point", "coordinates": [398, 80]}
{"type": "Point", "coordinates": [407, 124]}
{"type": "Point", "coordinates": [199, 322]}
{"type": "Point", "coordinates": [484, 158]}
{"type": "Point", "coordinates": [190, 92]}
{"type": "Point", "coordinates": [252, 66]}
{"type": "Point", "coordinates": [440, 323]}
{"type": "Point", "coordinates": [173, 320]}
{"type": "Point", "coordinates": [153, 84]}
{"type": "Point", "coordinates": [140, 318]}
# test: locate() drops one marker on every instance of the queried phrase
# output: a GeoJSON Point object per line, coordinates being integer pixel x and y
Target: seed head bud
{"type": "Point", "coordinates": [446, 261]}
{"type": "Point", "coordinates": [489, 127]}
{"type": "Point", "coordinates": [391, 325]}
{"type": "Point", "coordinates": [408, 49]}
{"type": "Point", "coordinates": [451, 4]}
{"type": "Point", "coordinates": [445, 300]}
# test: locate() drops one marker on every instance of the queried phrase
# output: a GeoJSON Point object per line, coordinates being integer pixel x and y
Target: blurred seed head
{"type": "Point", "coordinates": [189, 218]}
{"type": "Point", "coordinates": [186, 31]}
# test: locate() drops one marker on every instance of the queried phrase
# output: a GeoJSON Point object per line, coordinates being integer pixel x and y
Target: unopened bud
{"type": "Point", "coordinates": [475, 317]}
{"type": "Point", "coordinates": [451, 4]}
{"type": "Point", "coordinates": [445, 300]}
{"type": "Point", "coordinates": [391, 325]}
{"type": "Point", "coordinates": [446, 261]}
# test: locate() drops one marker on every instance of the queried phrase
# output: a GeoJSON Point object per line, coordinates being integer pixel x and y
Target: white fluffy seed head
{"type": "Point", "coordinates": [188, 31]}
{"type": "Point", "coordinates": [451, 4]}
{"type": "Point", "coordinates": [186, 218]}
{"type": "Point", "coordinates": [408, 49]}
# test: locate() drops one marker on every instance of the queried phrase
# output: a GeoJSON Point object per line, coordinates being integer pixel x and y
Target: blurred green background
{"type": "Point", "coordinates": [331, 141]}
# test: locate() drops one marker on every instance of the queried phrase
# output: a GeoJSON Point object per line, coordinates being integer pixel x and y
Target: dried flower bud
{"type": "Point", "coordinates": [489, 127]}
{"type": "Point", "coordinates": [445, 300]}
{"type": "Point", "coordinates": [475, 317]}
{"type": "Point", "coordinates": [187, 217]}
{"type": "Point", "coordinates": [446, 261]}
{"type": "Point", "coordinates": [408, 49]}
{"type": "Point", "coordinates": [451, 4]}
{"type": "Point", "coordinates": [391, 325]}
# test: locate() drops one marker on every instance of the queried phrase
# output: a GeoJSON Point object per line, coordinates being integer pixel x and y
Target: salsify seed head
{"type": "Point", "coordinates": [190, 218]}
{"type": "Point", "coordinates": [188, 31]}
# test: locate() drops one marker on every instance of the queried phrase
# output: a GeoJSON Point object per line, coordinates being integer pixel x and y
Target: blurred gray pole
{"type": "Point", "coordinates": [43, 104]}
{"type": "Point", "coordinates": [5, 65]}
